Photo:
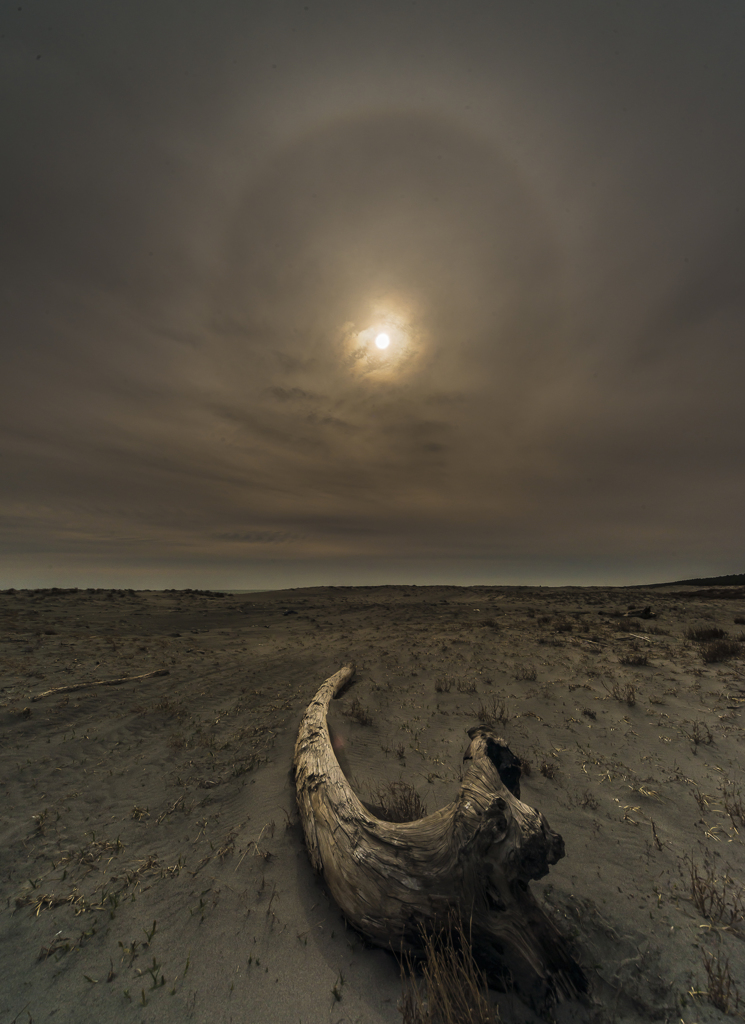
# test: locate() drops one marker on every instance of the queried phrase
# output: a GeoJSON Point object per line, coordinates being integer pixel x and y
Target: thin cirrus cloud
{"type": "Point", "coordinates": [210, 214]}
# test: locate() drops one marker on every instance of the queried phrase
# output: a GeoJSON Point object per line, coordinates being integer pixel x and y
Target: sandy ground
{"type": "Point", "coordinates": [152, 863]}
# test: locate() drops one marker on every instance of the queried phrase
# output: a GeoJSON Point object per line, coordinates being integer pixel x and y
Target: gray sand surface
{"type": "Point", "coordinates": [152, 863]}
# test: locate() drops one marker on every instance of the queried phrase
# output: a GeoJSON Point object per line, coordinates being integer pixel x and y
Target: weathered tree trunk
{"type": "Point", "coordinates": [473, 857]}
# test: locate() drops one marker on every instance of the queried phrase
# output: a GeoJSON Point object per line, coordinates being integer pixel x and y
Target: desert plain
{"type": "Point", "coordinates": [152, 861]}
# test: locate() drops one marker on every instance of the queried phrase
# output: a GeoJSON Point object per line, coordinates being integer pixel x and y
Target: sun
{"type": "Point", "coordinates": [388, 347]}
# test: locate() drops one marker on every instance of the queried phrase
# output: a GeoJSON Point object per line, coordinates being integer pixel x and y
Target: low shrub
{"type": "Point", "coordinates": [720, 650]}
{"type": "Point", "coordinates": [493, 712]}
{"type": "Point", "coordinates": [703, 634]}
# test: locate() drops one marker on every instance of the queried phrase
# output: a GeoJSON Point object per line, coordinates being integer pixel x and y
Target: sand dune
{"type": "Point", "coordinates": [153, 865]}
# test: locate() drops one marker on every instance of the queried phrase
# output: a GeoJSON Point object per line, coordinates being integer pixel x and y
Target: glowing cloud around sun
{"type": "Point", "coordinates": [385, 348]}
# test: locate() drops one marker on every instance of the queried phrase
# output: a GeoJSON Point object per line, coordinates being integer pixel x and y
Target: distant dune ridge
{"type": "Point", "coordinates": [733, 580]}
{"type": "Point", "coordinates": [152, 861]}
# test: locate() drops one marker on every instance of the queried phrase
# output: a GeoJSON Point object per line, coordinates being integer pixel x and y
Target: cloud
{"type": "Point", "coordinates": [210, 214]}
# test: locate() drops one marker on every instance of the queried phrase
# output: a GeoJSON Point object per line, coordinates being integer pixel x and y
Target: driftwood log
{"type": "Point", "coordinates": [473, 858]}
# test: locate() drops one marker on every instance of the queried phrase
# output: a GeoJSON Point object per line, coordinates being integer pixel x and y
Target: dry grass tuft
{"type": "Point", "coordinates": [466, 686]}
{"type": "Point", "coordinates": [493, 712]}
{"type": "Point", "coordinates": [700, 733]}
{"type": "Point", "coordinates": [734, 806]}
{"type": "Point", "coordinates": [398, 801]}
{"type": "Point", "coordinates": [588, 800]}
{"type": "Point", "coordinates": [703, 634]}
{"type": "Point", "coordinates": [625, 694]}
{"type": "Point", "coordinates": [637, 660]}
{"type": "Point", "coordinates": [720, 901]}
{"type": "Point", "coordinates": [526, 672]}
{"type": "Point", "coordinates": [444, 684]}
{"type": "Point", "coordinates": [720, 650]}
{"type": "Point", "coordinates": [721, 990]}
{"type": "Point", "coordinates": [548, 769]}
{"type": "Point", "coordinates": [358, 712]}
{"type": "Point", "coordinates": [452, 989]}
{"type": "Point", "coordinates": [714, 645]}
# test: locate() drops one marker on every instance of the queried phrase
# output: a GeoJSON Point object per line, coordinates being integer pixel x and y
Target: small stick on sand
{"type": "Point", "coordinates": [102, 682]}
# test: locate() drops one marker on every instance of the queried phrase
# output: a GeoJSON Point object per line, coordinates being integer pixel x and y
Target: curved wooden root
{"type": "Point", "coordinates": [474, 857]}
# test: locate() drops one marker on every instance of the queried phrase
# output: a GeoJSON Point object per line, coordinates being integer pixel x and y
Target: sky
{"type": "Point", "coordinates": [210, 210]}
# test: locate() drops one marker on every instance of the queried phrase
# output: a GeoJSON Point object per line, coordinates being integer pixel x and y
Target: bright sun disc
{"type": "Point", "coordinates": [382, 341]}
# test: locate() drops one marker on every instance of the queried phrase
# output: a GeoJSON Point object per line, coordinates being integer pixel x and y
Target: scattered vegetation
{"type": "Point", "coordinates": [626, 694]}
{"type": "Point", "coordinates": [703, 634]}
{"type": "Point", "coordinates": [733, 805]}
{"type": "Point", "coordinates": [451, 989]}
{"type": "Point", "coordinates": [444, 684]}
{"type": "Point", "coordinates": [399, 801]}
{"type": "Point", "coordinates": [258, 851]}
{"type": "Point", "coordinates": [358, 713]}
{"type": "Point", "coordinates": [720, 901]}
{"type": "Point", "coordinates": [701, 800]}
{"type": "Point", "coordinates": [526, 672]}
{"type": "Point", "coordinates": [700, 733]}
{"type": "Point", "coordinates": [720, 650]}
{"type": "Point", "coordinates": [721, 990]}
{"type": "Point", "coordinates": [228, 845]}
{"type": "Point", "coordinates": [636, 660]}
{"type": "Point", "coordinates": [563, 626]}
{"type": "Point", "coordinates": [548, 768]}
{"type": "Point", "coordinates": [493, 712]}
{"type": "Point", "coordinates": [629, 626]}
{"type": "Point", "coordinates": [466, 686]}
